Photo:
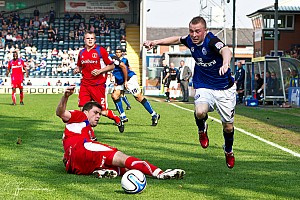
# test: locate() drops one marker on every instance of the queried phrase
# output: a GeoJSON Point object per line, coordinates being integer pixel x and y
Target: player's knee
{"type": "Point", "coordinates": [200, 114]}
{"type": "Point", "coordinates": [228, 128]}
{"type": "Point", "coordinates": [139, 97]}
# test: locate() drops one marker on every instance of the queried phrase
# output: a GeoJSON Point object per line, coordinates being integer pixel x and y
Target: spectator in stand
{"type": "Point", "coordinates": [286, 80]}
{"type": "Point", "coordinates": [29, 82]}
{"type": "Point", "coordinates": [28, 49]}
{"type": "Point", "coordinates": [107, 30]}
{"type": "Point", "coordinates": [97, 31]}
{"type": "Point", "coordinates": [81, 26]}
{"type": "Point", "coordinates": [67, 83]}
{"type": "Point", "coordinates": [51, 34]}
{"type": "Point", "coordinates": [51, 15]}
{"type": "Point", "coordinates": [67, 17]}
{"type": "Point", "coordinates": [33, 50]}
{"type": "Point", "coordinates": [54, 52]}
{"type": "Point", "coordinates": [2, 44]}
{"type": "Point", "coordinates": [36, 13]}
{"type": "Point", "coordinates": [54, 70]}
{"type": "Point", "coordinates": [77, 16]}
{"type": "Point", "coordinates": [44, 23]}
{"type": "Point", "coordinates": [40, 31]}
{"type": "Point", "coordinates": [92, 28]}
{"type": "Point", "coordinates": [294, 82]}
{"type": "Point", "coordinates": [9, 38]}
{"type": "Point", "coordinates": [80, 35]}
{"type": "Point", "coordinates": [272, 85]}
{"type": "Point", "coordinates": [259, 87]}
{"type": "Point", "coordinates": [122, 26]}
{"type": "Point", "coordinates": [36, 24]}
{"type": "Point", "coordinates": [102, 31]}
{"type": "Point", "coordinates": [58, 83]}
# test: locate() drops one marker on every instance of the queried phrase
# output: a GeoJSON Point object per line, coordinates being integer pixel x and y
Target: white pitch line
{"type": "Point", "coordinates": [248, 133]}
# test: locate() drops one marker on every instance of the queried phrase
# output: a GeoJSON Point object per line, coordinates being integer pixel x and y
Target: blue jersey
{"type": "Point", "coordinates": [208, 61]}
{"type": "Point", "coordinates": [118, 73]}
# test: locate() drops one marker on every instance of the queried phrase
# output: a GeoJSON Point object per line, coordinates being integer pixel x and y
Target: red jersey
{"type": "Point", "coordinates": [77, 128]}
{"type": "Point", "coordinates": [96, 58]}
{"type": "Point", "coordinates": [16, 67]}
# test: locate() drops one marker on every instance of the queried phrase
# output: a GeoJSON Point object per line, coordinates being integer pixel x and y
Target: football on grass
{"type": "Point", "coordinates": [133, 181]}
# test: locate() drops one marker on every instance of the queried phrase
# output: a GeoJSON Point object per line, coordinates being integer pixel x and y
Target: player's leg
{"type": "Point", "coordinates": [116, 96]}
{"type": "Point", "coordinates": [13, 96]}
{"type": "Point", "coordinates": [124, 98]}
{"type": "Point", "coordinates": [167, 88]}
{"type": "Point", "coordinates": [21, 94]}
{"type": "Point", "coordinates": [134, 89]}
{"type": "Point", "coordinates": [122, 160]}
{"type": "Point", "coordinates": [98, 95]}
{"type": "Point", "coordinates": [203, 105]}
{"type": "Point", "coordinates": [225, 105]}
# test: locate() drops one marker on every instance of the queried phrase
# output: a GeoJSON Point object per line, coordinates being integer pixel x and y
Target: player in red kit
{"type": "Point", "coordinates": [84, 155]}
{"type": "Point", "coordinates": [17, 67]}
{"type": "Point", "coordinates": [94, 63]}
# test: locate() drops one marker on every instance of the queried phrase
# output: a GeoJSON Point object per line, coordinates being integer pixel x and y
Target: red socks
{"type": "Point", "coordinates": [143, 166]}
{"type": "Point", "coordinates": [111, 115]}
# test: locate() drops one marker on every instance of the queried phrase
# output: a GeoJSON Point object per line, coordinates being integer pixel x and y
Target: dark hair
{"type": "Point", "coordinates": [89, 105]}
{"type": "Point", "coordinates": [197, 20]}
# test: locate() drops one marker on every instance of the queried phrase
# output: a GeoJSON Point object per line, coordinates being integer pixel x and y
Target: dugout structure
{"type": "Point", "coordinates": [274, 86]}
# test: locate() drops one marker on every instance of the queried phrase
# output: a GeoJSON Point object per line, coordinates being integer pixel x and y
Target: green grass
{"type": "Point", "coordinates": [34, 170]}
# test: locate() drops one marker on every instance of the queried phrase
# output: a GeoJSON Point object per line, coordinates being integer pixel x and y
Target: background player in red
{"type": "Point", "coordinates": [84, 155]}
{"type": "Point", "coordinates": [94, 63]}
{"type": "Point", "coordinates": [17, 67]}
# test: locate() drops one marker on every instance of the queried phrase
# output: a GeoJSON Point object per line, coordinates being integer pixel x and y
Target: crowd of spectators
{"type": "Point", "coordinates": [50, 45]}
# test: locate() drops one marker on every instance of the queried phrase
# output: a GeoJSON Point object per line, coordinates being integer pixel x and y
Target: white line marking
{"type": "Point", "coordinates": [248, 133]}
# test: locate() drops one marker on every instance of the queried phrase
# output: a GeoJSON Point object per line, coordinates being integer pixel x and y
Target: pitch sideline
{"type": "Point", "coordinates": [249, 134]}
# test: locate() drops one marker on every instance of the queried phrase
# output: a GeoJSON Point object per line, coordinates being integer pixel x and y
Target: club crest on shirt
{"type": "Point", "coordinates": [204, 51]}
{"type": "Point", "coordinates": [192, 49]}
{"type": "Point", "coordinates": [94, 55]}
{"type": "Point", "coordinates": [219, 45]}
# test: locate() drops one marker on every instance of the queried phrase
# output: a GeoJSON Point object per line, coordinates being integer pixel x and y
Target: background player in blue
{"type": "Point", "coordinates": [212, 81]}
{"type": "Point", "coordinates": [127, 79]}
{"type": "Point", "coordinates": [126, 62]}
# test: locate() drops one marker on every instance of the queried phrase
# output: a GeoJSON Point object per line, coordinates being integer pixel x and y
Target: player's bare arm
{"type": "Point", "coordinates": [166, 41]}
{"type": "Point", "coordinates": [77, 70]}
{"type": "Point", "coordinates": [226, 54]}
{"type": "Point", "coordinates": [61, 111]}
{"type": "Point", "coordinates": [125, 72]}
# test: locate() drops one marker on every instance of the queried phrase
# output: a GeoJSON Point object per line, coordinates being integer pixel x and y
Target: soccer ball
{"type": "Point", "coordinates": [133, 181]}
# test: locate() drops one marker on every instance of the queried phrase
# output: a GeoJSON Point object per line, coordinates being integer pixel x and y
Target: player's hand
{"type": "Point", "coordinates": [76, 70]}
{"type": "Point", "coordinates": [69, 90]}
{"type": "Point", "coordinates": [96, 72]}
{"type": "Point", "coordinates": [223, 69]}
{"type": "Point", "coordinates": [126, 85]}
{"type": "Point", "coordinates": [148, 44]}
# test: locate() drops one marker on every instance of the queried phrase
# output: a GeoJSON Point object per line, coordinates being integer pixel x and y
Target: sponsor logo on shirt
{"type": "Point", "coordinates": [219, 45]}
{"type": "Point", "coordinates": [203, 64]}
{"type": "Point", "coordinates": [89, 62]}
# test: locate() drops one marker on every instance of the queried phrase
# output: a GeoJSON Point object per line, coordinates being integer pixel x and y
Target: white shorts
{"type": "Point", "coordinates": [224, 100]}
{"type": "Point", "coordinates": [132, 84]}
{"type": "Point", "coordinates": [173, 84]}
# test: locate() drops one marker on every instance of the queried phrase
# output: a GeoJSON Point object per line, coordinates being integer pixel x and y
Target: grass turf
{"type": "Point", "coordinates": [34, 170]}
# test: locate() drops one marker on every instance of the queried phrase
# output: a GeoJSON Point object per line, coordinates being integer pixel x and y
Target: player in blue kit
{"type": "Point", "coordinates": [126, 62]}
{"type": "Point", "coordinates": [212, 81]}
{"type": "Point", "coordinates": [127, 79]}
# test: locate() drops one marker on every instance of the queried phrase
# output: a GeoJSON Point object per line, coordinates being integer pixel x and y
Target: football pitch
{"type": "Point", "coordinates": [266, 147]}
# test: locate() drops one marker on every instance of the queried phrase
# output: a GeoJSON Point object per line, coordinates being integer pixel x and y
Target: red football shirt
{"type": "Point", "coordinates": [77, 128]}
{"type": "Point", "coordinates": [90, 60]}
{"type": "Point", "coordinates": [16, 67]}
